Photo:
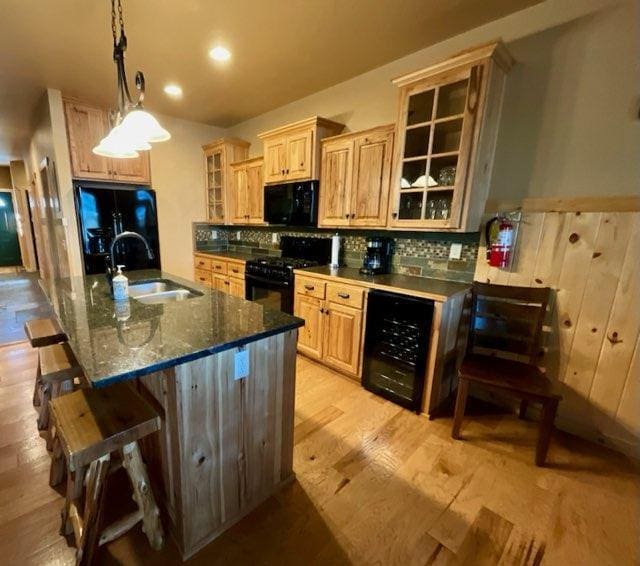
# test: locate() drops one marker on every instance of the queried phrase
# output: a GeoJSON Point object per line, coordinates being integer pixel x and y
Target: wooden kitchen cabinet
{"type": "Point", "coordinates": [445, 141]}
{"type": "Point", "coordinates": [247, 202]}
{"type": "Point", "coordinates": [333, 315]}
{"type": "Point", "coordinates": [219, 176]}
{"type": "Point", "coordinates": [311, 335]}
{"type": "Point", "coordinates": [354, 184]}
{"type": "Point", "coordinates": [221, 273]}
{"type": "Point", "coordinates": [86, 126]}
{"type": "Point", "coordinates": [292, 152]}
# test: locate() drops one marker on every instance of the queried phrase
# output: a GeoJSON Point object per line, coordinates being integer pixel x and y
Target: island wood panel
{"type": "Point", "coordinates": [226, 445]}
{"type": "Point", "coordinates": [590, 259]}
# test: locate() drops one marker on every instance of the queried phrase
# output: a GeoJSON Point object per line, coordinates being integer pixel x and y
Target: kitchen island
{"type": "Point", "coordinates": [221, 373]}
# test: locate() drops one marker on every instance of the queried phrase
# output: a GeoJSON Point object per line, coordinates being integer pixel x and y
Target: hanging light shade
{"type": "Point", "coordinates": [133, 128]}
{"type": "Point", "coordinates": [139, 124]}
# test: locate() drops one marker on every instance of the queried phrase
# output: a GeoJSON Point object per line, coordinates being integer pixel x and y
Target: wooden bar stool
{"type": "Point", "coordinates": [42, 332]}
{"type": "Point", "coordinates": [57, 370]}
{"type": "Point", "coordinates": [92, 425]}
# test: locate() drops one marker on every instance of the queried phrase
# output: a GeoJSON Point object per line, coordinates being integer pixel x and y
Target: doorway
{"type": "Point", "coordinates": [9, 246]}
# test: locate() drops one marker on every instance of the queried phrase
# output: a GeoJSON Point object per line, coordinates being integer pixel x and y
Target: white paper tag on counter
{"type": "Point", "coordinates": [241, 365]}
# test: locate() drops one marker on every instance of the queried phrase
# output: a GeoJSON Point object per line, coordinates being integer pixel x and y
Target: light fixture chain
{"type": "Point", "coordinates": [120, 17]}
{"type": "Point", "coordinates": [113, 22]}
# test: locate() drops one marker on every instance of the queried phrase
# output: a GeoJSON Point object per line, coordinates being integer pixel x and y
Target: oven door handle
{"type": "Point", "coordinates": [266, 281]}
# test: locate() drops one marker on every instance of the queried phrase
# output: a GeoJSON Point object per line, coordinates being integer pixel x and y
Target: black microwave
{"type": "Point", "coordinates": [292, 204]}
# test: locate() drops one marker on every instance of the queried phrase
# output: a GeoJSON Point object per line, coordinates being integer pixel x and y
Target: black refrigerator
{"type": "Point", "coordinates": [105, 210]}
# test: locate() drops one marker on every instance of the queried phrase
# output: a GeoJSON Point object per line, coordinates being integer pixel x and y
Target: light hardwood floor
{"type": "Point", "coordinates": [375, 485]}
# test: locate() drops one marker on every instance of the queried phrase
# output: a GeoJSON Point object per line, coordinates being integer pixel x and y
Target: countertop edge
{"type": "Point", "coordinates": [382, 287]}
{"type": "Point", "coordinates": [141, 372]}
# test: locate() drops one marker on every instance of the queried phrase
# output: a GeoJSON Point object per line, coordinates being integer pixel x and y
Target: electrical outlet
{"type": "Point", "coordinates": [241, 364]}
{"type": "Point", "coordinates": [214, 234]}
{"type": "Point", "coordinates": [274, 238]}
{"type": "Point", "coordinates": [238, 235]}
{"type": "Point", "coordinates": [455, 252]}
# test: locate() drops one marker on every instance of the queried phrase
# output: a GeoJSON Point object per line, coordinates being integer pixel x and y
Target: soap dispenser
{"type": "Point", "coordinates": [120, 285]}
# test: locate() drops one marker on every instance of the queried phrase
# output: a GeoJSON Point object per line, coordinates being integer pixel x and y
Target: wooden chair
{"type": "Point", "coordinates": [92, 426]}
{"type": "Point", "coordinates": [502, 351]}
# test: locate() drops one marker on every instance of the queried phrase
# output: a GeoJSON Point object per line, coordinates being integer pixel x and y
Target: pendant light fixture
{"type": "Point", "coordinates": [133, 128]}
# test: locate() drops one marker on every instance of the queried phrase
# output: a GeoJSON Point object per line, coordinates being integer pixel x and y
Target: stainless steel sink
{"type": "Point", "coordinates": [155, 291]}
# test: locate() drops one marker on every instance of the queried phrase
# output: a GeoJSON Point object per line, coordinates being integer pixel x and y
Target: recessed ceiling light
{"type": "Point", "coordinates": [220, 53]}
{"type": "Point", "coordinates": [173, 90]}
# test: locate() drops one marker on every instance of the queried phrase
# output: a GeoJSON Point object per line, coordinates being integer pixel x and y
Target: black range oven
{"type": "Point", "coordinates": [270, 280]}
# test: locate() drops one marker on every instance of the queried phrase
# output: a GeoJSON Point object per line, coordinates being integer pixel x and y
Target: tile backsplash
{"type": "Point", "coordinates": [424, 254]}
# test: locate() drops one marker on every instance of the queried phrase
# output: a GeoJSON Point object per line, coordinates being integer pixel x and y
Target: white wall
{"type": "Point", "coordinates": [569, 125]}
{"type": "Point", "coordinates": [177, 175]}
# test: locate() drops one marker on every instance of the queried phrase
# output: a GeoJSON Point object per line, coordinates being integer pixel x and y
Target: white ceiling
{"type": "Point", "coordinates": [282, 50]}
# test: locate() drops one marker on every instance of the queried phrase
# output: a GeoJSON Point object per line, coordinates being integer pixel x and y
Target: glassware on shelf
{"type": "Point", "coordinates": [447, 176]}
{"type": "Point", "coordinates": [431, 210]}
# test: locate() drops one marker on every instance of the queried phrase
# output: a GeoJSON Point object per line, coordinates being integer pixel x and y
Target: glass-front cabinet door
{"type": "Point", "coordinates": [214, 165]}
{"type": "Point", "coordinates": [437, 119]}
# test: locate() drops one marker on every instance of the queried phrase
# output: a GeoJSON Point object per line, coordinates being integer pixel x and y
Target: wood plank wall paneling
{"type": "Point", "coordinates": [591, 260]}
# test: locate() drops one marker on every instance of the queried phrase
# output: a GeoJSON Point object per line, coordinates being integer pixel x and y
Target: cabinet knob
{"type": "Point", "coordinates": [226, 282]}
{"type": "Point", "coordinates": [326, 311]}
{"type": "Point", "coordinates": [287, 171]}
{"type": "Point", "coordinates": [321, 310]}
{"type": "Point", "coordinates": [395, 215]}
{"type": "Point", "coordinates": [346, 215]}
{"type": "Point", "coordinates": [353, 216]}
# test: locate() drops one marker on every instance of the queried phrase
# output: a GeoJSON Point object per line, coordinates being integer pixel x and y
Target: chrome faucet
{"type": "Point", "coordinates": [111, 267]}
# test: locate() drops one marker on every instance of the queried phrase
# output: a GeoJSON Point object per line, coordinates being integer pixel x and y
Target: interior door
{"type": "Point", "coordinates": [9, 246]}
{"type": "Point", "coordinates": [337, 166]}
{"type": "Point", "coordinates": [299, 155]}
{"type": "Point", "coordinates": [371, 177]}
{"type": "Point", "coordinates": [275, 160]}
{"type": "Point", "coordinates": [311, 334]}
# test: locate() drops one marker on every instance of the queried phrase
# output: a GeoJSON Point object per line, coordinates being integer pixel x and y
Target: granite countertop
{"type": "Point", "coordinates": [426, 287]}
{"type": "Point", "coordinates": [231, 255]}
{"type": "Point", "coordinates": [154, 337]}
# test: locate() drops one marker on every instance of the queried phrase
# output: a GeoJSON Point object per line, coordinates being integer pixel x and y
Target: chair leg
{"type": "Point", "coordinates": [58, 464]}
{"type": "Point", "coordinates": [75, 487]}
{"type": "Point", "coordinates": [461, 403]}
{"type": "Point", "coordinates": [523, 409]}
{"type": "Point", "coordinates": [549, 409]}
{"type": "Point", "coordinates": [143, 495]}
{"type": "Point", "coordinates": [93, 505]}
{"type": "Point", "coordinates": [37, 390]}
{"type": "Point", "coordinates": [43, 417]}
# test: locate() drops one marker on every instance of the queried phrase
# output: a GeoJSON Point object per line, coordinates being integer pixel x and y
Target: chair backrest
{"type": "Point", "coordinates": [507, 320]}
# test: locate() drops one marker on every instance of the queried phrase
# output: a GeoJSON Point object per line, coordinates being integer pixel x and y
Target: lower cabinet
{"type": "Point", "coordinates": [220, 274]}
{"type": "Point", "coordinates": [333, 330]}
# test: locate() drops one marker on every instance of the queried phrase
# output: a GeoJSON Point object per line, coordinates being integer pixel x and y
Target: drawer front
{"type": "Point", "coordinates": [345, 295]}
{"type": "Point", "coordinates": [235, 269]}
{"type": "Point", "coordinates": [218, 267]}
{"type": "Point", "coordinates": [310, 287]}
{"type": "Point", "coordinates": [203, 276]}
{"type": "Point", "coordinates": [200, 262]}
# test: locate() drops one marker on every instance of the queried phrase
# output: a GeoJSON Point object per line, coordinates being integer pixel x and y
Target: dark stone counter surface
{"type": "Point", "coordinates": [231, 255]}
{"type": "Point", "coordinates": [426, 287]}
{"type": "Point", "coordinates": [117, 342]}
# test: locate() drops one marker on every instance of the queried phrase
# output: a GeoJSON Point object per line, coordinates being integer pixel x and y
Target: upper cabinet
{"type": "Point", "coordinates": [86, 126]}
{"type": "Point", "coordinates": [219, 177]}
{"type": "Point", "coordinates": [292, 152]}
{"type": "Point", "coordinates": [445, 141]}
{"type": "Point", "coordinates": [354, 182]}
{"type": "Point", "coordinates": [247, 200]}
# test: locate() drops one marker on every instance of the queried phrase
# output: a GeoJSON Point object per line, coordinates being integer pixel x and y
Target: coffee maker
{"type": "Point", "coordinates": [377, 260]}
